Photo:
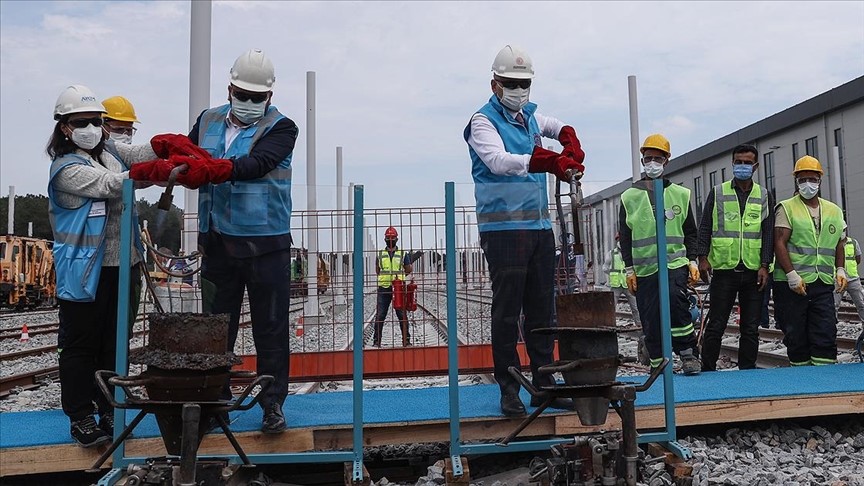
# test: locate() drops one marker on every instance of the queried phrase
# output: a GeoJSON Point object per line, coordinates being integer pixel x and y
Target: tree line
{"type": "Point", "coordinates": [164, 226]}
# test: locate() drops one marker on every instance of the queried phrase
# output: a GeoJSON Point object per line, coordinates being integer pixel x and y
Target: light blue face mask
{"type": "Point", "coordinates": [742, 172]}
{"type": "Point", "coordinates": [247, 111]}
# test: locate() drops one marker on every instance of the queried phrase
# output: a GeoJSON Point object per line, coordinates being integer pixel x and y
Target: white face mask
{"type": "Point", "coordinates": [808, 189]}
{"type": "Point", "coordinates": [653, 169]}
{"type": "Point", "coordinates": [120, 137]}
{"type": "Point", "coordinates": [87, 137]}
{"type": "Point", "coordinates": [514, 98]}
{"type": "Point", "coordinates": [247, 111]}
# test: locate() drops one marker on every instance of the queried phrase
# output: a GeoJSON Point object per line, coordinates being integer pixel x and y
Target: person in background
{"type": "Point", "coordinates": [392, 263]}
{"type": "Point", "coordinates": [509, 166]}
{"type": "Point", "coordinates": [85, 202]}
{"type": "Point", "coordinates": [119, 119]}
{"type": "Point", "coordinates": [811, 262]}
{"type": "Point", "coordinates": [638, 238]}
{"type": "Point", "coordinates": [615, 268]}
{"type": "Point", "coordinates": [852, 253]}
{"type": "Point", "coordinates": [736, 248]}
{"type": "Point", "coordinates": [244, 216]}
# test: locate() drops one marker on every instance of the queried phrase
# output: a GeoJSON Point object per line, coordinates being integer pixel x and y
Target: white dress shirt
{"type": "Point", "coordinates": [486, 141]}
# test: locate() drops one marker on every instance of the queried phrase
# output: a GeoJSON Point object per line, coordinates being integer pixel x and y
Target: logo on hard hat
{"type": "Point", "coordinates": [519, 61]}
{"type": "Point", "coordinates": [88, 98]}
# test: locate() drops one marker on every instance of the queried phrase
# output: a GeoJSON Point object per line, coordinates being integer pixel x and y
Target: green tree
{"type": "Point", "coordinates": [164, 226]}
{"type": "Point", "coordinates": [30, 208]}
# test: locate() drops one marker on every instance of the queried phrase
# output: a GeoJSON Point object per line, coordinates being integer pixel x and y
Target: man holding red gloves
{"type": "Point", "coordinates": [509, 167]}
{"type": "Point", "coordinates": [244, 226]}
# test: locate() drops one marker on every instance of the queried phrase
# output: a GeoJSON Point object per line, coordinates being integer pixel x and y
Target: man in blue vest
{"type": "Point", "coordinates": [508, 167]}
{"type": "Point", "coordinates": [736, 247]}
{"type": "Point", "coordinates": [244, 216]}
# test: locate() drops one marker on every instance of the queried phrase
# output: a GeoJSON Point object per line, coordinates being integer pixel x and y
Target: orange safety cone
{"type": "Point", "coordinates": [299, 329]}
{"type": "Point", "coordinates": [25, 335]}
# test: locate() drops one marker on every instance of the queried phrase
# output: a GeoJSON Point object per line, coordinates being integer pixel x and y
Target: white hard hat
{"type": "Point", "coordinates": [253, 71]}
{"type": "Point", "coordinates": [77, 99]}
{"type": "Point", "coordinates": [513, 62]}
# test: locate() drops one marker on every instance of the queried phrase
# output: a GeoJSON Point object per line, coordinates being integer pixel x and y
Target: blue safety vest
{"type": "Point", "coordinates": [79, 236]}
{"type": "Point", "coordinates": [509, 202]}
{"type": "Point", "coordinates": [258, 207]}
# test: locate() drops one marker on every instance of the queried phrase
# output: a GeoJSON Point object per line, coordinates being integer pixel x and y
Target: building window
{"type": "Point", "coordinates": [838, 142]}
{"type": "Point", "coordinates": [697, 193]}
{"type": "Point", "coordinates": [723, 174]}
{"type": "Point", "coordinates": [712, 178]}
{"type": "Point", "coordinates": [811, 147]}
{"type": "Point", "coordinates": [768, 164]}
{"type": "Point", "coordinates": [794, 154]}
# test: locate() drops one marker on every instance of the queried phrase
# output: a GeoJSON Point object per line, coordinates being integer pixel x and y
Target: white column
{"type": "Point", "coordinates": [836, 187]}
{"type": "Point", "coordinates": [10, 218]}
{"type": "Point", "coordinates": [634, 128]}
{"type": "Point", "coordinates": [337, 274]}
{"type": "Point", "coordinates": [311, 307]}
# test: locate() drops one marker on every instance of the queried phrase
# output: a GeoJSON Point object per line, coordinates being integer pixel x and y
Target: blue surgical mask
{"type": "Point", "coordinates": [247, 111]}
{"type": "Point", "coordinates": [742, 172]}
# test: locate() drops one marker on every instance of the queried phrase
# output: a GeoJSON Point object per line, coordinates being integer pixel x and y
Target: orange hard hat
{"type": "Point", "coordinates": [391, 233]}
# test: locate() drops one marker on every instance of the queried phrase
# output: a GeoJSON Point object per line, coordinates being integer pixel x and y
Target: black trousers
{"type": "Point", "coordinates": [87, 342]}
{"type": "Point", "coordinates": [522, 269]}
{"type": "Point", "coordinates": [809, 322]}
{"type": "Point", "coordinates": [267, 281]}
{"type": "Point", "coordinates": [648, 301]}
{"type": "Point", "coordinates": [383, 300]}
{"type": "Point", "coordinates": [726, 285]}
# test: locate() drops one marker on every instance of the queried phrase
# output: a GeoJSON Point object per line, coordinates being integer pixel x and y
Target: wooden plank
{"type": "Point", "coordinates": [68, 457]}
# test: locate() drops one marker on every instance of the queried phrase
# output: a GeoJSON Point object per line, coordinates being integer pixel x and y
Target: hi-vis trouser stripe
{"type": "Point", "coordinates": [800, 363]}
{"type": "Point", "coordinates": [821, 361]}
{"type": "Point", "coordinates": [682, 331]}
{"type": "Point", "coordinates": [656, 362]}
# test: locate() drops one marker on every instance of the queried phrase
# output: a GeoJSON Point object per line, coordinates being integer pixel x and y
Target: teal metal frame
{"type": "Point", "coordinates": [457, 447]}
{"type": "Point", "coordinates": [355, 456]}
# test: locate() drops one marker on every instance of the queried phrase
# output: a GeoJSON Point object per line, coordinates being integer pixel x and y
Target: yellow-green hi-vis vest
{"type": "Point", "coordinates": [736, 238]}
{"type": "Point", "coordinates": [812, 254]}
{"type": "Point", "coordinates": [851, 264]}
{"type": "Point", "coordinates": [389, 268]}
{"type": "Point", "coordinates": [640, 220]}
{"type": "Point", "coordinates": [617, 277]}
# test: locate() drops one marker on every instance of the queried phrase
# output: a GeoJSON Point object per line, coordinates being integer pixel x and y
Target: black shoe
{"type": "Point", "coordinates": [274, 420]}
{"type": "Point", "coordinates": [560, 403]}
{"type": "Point", "coordinates": [106, 423]}
{"type": "Point", "coordinates": [512, 406]}
{"type": "Point", "coordinates": [87, 434]}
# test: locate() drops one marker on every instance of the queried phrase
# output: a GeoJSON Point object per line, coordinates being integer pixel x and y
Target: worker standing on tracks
{"type": "Point", "coordinates": [508, 167]}
{"type": "Point", "coordinates": [638, 238]}
{"type": "Point", "coordinates": [736, 247]}
{"type": "Point", "coordinates": [244, 217]}
{"type": "Point", "coordinates": [811, 262]}
{"type": "Point", "coordinates": [852, 251]}
{"type": "Point", "coordinates": [119, 119]}
{"type": "Point", "coordinates": [391, 264]}
{"type": "Point", "coordinates": [85, 201]}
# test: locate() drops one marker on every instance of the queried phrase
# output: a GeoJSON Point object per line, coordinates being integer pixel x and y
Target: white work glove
{"type": "Point", "coordinates": [796, 284]}
{"type": "Point", "coordinates": [631, 279]}
{"type": "Point", "coordinates": [693, 278]}
{"type": "Point", "coordinates": [841, 280]}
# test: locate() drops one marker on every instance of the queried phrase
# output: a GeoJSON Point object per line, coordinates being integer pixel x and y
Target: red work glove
{"type": "Point", "coordinates": [151, 171]}
{"type": "Point", "coordinates": [203, 171]}
{"type": "Point", "coordinates": [543, 160]}
{"type": "Point", "coordinates": [571, 143]}
{"type": "Point", "coordinates": [168, 144]}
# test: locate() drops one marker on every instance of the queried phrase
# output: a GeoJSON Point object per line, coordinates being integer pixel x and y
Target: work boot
{"type": "Point", "coordinates": [642, 352]}
{"type": "Point", "coordinates": [274, 419]}
{"type": "Point", "coordinates": [559, 403]}
{"type": "Point", "coordinates": [690, 364]}
{"type": "Point", "coordinates": [106, 423]}
{"type": "Point", "coordinates": [512, 406]}
{"type": "Point", "coordinates": [87, 434]}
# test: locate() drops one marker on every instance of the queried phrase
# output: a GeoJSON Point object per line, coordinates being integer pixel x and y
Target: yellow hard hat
{"type": "Point", "coordinates": [808, 163]}
{"type": "Point", "coordinates": [656, 141]}
{"type": "Point", "coordinates": [119, 108]}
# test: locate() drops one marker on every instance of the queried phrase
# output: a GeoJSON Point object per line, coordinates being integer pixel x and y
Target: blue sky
{"type": "Point", "coordinates": [398, 81]}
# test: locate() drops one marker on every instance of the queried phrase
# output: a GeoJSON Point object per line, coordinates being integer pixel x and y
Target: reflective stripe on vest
{"type": "Point", "coordinates": [812, 255]}
{"type": "Point", "coordinates": [79, 239]}
{"type": "Point", "coordinates": [732, 241]}
{"type": "Point", "coordinates": [851, 264]}
{"type": "Point", "coordinates": [258, 207]}
{"type": "Point", "coordinates": [389, 268]}
{"type": "Point", "coordinates": [640, 220]}
{"type": "Point", "coordinates": [618, 275]}
{"type": "Point", "coordinates": [509, 202]}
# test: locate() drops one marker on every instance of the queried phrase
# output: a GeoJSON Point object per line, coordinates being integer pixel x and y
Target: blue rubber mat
{"type": "Point", "coordinates": [21, 429]}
